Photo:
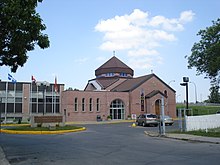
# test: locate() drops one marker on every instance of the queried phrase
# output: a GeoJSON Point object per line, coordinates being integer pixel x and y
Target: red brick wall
{"type": "Point", "coordinates": [131, 101]}
{"type": "Point", "coordinates": [148, 87]}
{"type": "Point", "coordinates": [105, 97]}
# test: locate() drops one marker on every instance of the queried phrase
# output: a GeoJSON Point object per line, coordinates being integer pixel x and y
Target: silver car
{"type": "Point", "coordinates": [168, 120]}
{"type": "Point", "coordinates": [147, 120]}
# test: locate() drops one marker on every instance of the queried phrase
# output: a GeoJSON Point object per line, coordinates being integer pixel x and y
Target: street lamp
{"type": "Point", "coordinates": [45, 84]}
{"type": "Point", "coordinates": [186, 80]}
{"type": "Point", "coordinates": [195, 91]}
{"type": "Point", "coordinates": [171, 82]}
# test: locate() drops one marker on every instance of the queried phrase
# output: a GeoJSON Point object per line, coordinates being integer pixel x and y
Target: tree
{"type": "Point", "coordinates": [214, 96]}
{"type": "Point", "coordinates": [205, 55]}
{"type": "Point", "coordinates": [20, 30]}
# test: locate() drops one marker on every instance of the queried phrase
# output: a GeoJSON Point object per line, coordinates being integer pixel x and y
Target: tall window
{"type": "Point", "coordinates": [117, 109]}
{"type": "Point", "coordinates": [90, 104]}
{"type": "Point", "coordinates": [76, 104]}
{"type": "Point", "coordinates": [165, 93]}
{"type": "Point", "coordinates": [97, 105]}
{"type": "Point", "coordinates": [83, 104]}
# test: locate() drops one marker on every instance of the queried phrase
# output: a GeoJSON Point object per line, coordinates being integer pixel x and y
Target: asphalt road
{"type": "Point", "coordinates": [106, 144]}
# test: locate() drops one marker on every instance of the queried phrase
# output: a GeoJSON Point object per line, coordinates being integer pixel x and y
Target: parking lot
{"type": "Point", "coordinates": [106, 144]}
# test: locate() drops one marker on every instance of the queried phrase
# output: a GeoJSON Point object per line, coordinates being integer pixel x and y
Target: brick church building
{"type": "Point", "coordinates": [115, 93]}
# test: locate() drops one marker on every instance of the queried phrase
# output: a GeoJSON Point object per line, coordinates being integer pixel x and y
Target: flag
{"type": "Point", "coordinates": [33, 79]}
{"type": "Point", "coordinates": [55, 85]}
{"type": "Point", "coordinates": [11, 78]}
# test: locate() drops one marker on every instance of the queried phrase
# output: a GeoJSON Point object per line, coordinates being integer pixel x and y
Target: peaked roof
{"type": "Point", "coordinates": [131, 84]}
{"type": "Point", "coordinates": [114, 65]}
{"type": "Point", "coordinates": [153, 93]}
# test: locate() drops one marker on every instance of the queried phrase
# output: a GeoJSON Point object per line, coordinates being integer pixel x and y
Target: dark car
{"type": "Point", "coordinates": [147, 120]}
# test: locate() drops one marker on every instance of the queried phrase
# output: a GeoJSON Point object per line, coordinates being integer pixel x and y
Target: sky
{"type": "Point", "coordinates": [149, 36]}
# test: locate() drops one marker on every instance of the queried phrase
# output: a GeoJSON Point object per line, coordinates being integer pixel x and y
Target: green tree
{"type": "Point", "coordinates": [20, 30]}
{"type": "Point", "coordinates": [205, 55]}
{"type": "Point", "coordinates": [214, 96]}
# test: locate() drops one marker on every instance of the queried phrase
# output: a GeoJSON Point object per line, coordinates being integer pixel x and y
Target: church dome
{"type": "Point", "coordinates": [114, 68]}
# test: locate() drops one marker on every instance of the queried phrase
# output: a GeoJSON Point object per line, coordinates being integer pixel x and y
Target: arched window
{"type": "Point", "coordinates": [76, 104]}
{"type": "Point", "coordinates": [117, 109]}
{"type": "Point", "coordinates": [90, 104]}
{"type": "Point", "coordinates": [83, 104]}
{"type": "Point", "coordinates": [165, 92]}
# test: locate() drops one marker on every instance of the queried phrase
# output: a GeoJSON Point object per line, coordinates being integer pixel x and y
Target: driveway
{"type": "Point", "coordinates": [106, 144]}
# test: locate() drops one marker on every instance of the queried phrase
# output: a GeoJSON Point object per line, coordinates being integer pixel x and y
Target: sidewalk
{"type": "Point", "coordinates": [3, 160]}
{"type": "Point", "coordinates": [186, 137]}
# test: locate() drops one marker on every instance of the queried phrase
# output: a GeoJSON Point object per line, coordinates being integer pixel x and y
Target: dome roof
{"type": "Point", "coordinates": [114, 65]}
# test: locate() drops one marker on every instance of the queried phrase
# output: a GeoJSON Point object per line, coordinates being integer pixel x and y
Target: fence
{"type": "Point", "coordinates": [202, 122]}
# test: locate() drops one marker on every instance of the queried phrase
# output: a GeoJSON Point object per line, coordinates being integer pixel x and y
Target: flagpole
{"type": "Point", "coordinates": [37, 100]}
{"type": "Point", "coordinates": [55, 103]}
{"type": "Point", "coordinates": [6, 101]}
{"type": "Point", "coordinates": [31, 95]}
{"type": "Point", "coordinates": [14, 95]}
{"type": "Point", "coordinates": [52, 99]}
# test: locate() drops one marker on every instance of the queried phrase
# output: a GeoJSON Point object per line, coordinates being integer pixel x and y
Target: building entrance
{"type": "Point", "coordinates": [157, 107]}
{"type": "Point", "coordinates": [117, 110]}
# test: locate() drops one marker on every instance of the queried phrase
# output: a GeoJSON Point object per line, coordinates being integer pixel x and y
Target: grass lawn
{"type": "Point", "coordinates": [200, 109]}
{"type": "Point", "coordinates": [210, 133]}
{"type": "Point", "coordinates": [28, 128]}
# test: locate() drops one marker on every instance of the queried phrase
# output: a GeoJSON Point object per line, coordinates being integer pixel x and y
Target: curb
{"type": "Point", "coordinates": [41, 132]}
{"type": "Point", "coordinates": [154, 134]}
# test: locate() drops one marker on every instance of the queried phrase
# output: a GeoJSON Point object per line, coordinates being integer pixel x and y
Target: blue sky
{"type": "Point", "coordinates": [146, 35]}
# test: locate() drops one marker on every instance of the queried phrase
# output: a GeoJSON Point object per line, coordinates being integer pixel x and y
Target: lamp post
{"type": "Point", "coordinates": [195, 91]}
{"type": "Point", "coordinates": [171, 82]}
{"type": "Point", "coordinates": [186, 80]}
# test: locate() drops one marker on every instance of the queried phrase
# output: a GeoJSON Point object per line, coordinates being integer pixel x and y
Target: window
{"type": "Point", "coordinates": [97, 105]}
{"type": "Point", "coordinates": [123, 74]}
{"type": "Point", "coordinates": [90, 104]}
{"type": "Point", "coordinates": [76, 104]}
{"type": "Point", "coordinates": [117, 109]}
{"type": "Point", "coordinates": [165, 93]}
{"type": "Point", "coordinates": [109, 74]}
{"type": "Point", "coordinates": [83, 104]}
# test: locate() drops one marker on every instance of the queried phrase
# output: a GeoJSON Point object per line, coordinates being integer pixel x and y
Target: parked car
{"type": "Point", "coordinates": [168, 120]}
{"type": "Point", "coordinates": [218, 112]}
{"type": "Point", "coordinates": [147, 120]}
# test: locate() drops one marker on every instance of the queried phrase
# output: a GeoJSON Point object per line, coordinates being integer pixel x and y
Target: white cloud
{"type": "Point", "coordinates": [140, 35]}
{"type": "Point", "coordinates": [186, 16]}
